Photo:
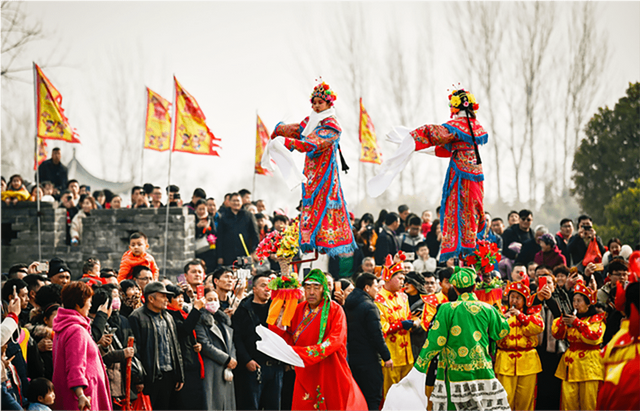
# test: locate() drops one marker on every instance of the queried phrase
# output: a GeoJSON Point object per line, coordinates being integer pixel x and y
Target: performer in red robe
{"type": "Point", "coordinates": [324, 219]}
{"type": "Point", "coordinates": [461, 212]}
{"type": "Point", "coordinates": [318, 334]}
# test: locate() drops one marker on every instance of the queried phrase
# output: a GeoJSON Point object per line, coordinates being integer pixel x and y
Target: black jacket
{"type": "Point", "coordinates": [228, 244]}
{"type": "Point", "coordinates": [186, 337]}
{"type": "Point", "coordinates": [564, 248]}
{"type": "Point", "coordinates": [386, 244]}
{"type": "Point", "coordinates": [514, 234]}
{"type": "Point", "coordinates": [245, 337]}
{"type": "Point", "coordinates": [528, 251]}
{"type": "Point", "coordinates": [145, 334]}
{"type": "Point", "coordinates": [365, 342]}
{"type": "Point", "coordinates": [57, 174]}
{"type": "Point", "coordinates": [577, 248]}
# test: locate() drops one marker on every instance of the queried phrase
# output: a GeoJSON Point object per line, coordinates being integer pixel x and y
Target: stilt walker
{"type": "Point", "coordinates": [461, 212]}
{"type": "Point", "coordinates": [324, 219]}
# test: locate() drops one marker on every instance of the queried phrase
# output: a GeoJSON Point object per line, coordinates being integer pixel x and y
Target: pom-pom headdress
{"type": "Point", "coordinates": [581, 288]}
{"type": "Point", "coordinates": [324, 92]}
{"type": "Point", "coordinates": [460, 99]}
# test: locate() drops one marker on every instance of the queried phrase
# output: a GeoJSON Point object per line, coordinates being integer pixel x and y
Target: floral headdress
{"type": "Point", "coordinates": [461, 99]}
{"type": "Point", "coordinates": [324, 92]}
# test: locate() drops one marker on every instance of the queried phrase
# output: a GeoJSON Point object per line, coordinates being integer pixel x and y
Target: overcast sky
{"type": "Point", "coordinates": [236, 59]}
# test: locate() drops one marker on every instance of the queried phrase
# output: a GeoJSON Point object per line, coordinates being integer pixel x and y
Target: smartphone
{"type": "Point", "coordinates": [181, 278]}
{"type": "Point", "coordinates": [43, 267]}
{"type": "Point", "coordinates": [542, 281]}
{"type": "Point", "coordinates": [200, 291]}
{"type": "Point", "coordinates": [337, 286]}
{"type": "Point", "coordinates": [599, 266]}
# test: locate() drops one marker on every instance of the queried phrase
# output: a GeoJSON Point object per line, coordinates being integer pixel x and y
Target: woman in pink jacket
{"type": "Point", "coordinates": [79, 375]}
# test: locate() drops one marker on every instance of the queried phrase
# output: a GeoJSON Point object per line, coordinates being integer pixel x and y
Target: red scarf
{"type": "Point", "coordinates": [184, 317]}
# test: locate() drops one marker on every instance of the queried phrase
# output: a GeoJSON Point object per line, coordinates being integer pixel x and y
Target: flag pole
{"type": "Point", "coordinates": [255, 153]}
{"type": "Point", "coordinates": [144, 135]}
{"type": "Point", "coordinates": [173, 136]}
{"type": "Point", "coordinates": [35, 99]}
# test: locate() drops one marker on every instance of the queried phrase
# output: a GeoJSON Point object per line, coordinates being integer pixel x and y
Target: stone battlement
{"type": "Point", "coordinates": [105, 236]}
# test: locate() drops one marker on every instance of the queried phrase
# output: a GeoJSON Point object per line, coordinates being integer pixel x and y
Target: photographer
{"type": "Point", "coordinates": [578, 244]}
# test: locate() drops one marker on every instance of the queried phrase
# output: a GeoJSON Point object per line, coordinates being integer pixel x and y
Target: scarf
{"type": "Point", "coordinates": [316, 118]}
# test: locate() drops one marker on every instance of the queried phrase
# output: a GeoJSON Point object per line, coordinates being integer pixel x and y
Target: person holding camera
{"type": "Point", "coordinates": [579, 243]}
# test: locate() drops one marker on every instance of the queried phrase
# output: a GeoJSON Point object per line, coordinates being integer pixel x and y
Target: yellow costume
{"type": "Point", "coordinates": [394, 308]}
{"type": "Point", "coordinates": [580, 368]}
{"type": "Point", "coordinates": [517, 362]}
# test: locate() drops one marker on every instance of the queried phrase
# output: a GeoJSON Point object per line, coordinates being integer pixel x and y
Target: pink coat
{"type": "Point", "coordinates": [77, 362]}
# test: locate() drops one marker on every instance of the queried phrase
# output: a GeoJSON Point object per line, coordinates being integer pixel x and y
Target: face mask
{"type": "Point", "coordinates": [115, 304]}
{"type": "Point", "coordinates": [212, 306]}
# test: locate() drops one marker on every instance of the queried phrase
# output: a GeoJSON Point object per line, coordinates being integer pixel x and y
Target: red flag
{"type": "Point", "coordinates": [262, 139]}
{"type": "Point", "coordinates": [192, 135]}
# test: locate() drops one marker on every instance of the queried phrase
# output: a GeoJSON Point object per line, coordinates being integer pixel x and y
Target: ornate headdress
{"type": "Point", "coordinates": [316, 276]}
{"type": "Point", "coordinates": [521, 288]}
{"type": "Point", "coordinates": [460, 99]}
{"type": "Point", "coordinates": [324, 92]}
{"type": "Point", "coordinates": [390, 269]}
{"type": "Point", "coordinates": [581, 288]}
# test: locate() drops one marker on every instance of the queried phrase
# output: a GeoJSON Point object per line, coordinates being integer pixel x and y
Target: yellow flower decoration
{"type": "Point", "coordinates": [455, 101]}
{"type": "Point", "coordinates": [442, 340]}
{"type": "Point", "coordinates": [463, 351]}
{"type": "Point", "coordinates": [477, 335]}
{"type": "Point", "coordinates": [436, 325]}
{"type": "Point", "coordinates": [456, 330]}
{"type": "Point", "coordinates": [472, 98]}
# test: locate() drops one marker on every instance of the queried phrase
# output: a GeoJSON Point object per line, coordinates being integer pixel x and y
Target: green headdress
{"type": "Point", "coordinates": [463, 277]}
{"type": "Point", "coordinates": [316, 276]}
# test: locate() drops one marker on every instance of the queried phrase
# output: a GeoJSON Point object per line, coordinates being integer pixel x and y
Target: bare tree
{"type": "Point", "coordinates": [482, 43]}
{"type": "Point", "coordinates": [17, 33]}
{"type": "Point", "coordinates": [587, 55]}
{"type": "Point", "coordinates": [535, 23]}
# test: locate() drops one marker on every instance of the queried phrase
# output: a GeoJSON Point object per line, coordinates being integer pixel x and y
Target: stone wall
{"type": "Point", "coordinates": [105, 236]}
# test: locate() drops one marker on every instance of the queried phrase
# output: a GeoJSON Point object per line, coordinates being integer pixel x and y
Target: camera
{"type": "Point", "coordinates": [587, 227]}
{"type": "Point", "coordinates": [244, 262]}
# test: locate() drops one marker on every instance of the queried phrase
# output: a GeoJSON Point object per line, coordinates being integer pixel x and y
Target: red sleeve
{"type": "Point", "coordinates": [591, 332]}
{"type": "Point", "coordinates": [287, 130]}
{"type": "Point", "coordinates": [335, 338]}
{"type": "Point", "coordinates": [153, 266]}
{"type": "Point", "coordinates": [124, 272]}
{"type": "Point", "coordinates": [431, 135]}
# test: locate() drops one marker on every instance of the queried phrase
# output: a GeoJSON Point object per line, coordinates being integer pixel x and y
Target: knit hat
{"type": "Point", "coordinates": [316, 276]}
{"type": "Point", "coordinates": [463, 277]}
{"type": "Point", "coordinates": [548, 239]}
{"type": "Point", "coordinates": [57, 266]}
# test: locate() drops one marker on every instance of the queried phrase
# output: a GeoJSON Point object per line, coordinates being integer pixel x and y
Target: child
{"type": "Point", "coordinates": [137, 255]}
{"type": "Point", "coordinates": [424, 262]}
{"type": "Point", "coordinates": [91, 271]}
{"type": "Point", "coordinates": [41, 394]}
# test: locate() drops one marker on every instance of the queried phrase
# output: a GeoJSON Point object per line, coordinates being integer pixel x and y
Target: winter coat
{"type": "Point", "coordinates": [578, 248]}
{"type": "Point", "coordinates": [365, 342]}
{"type": "Point", "coordinates": [147, 346]}
{"type": "Point", "coordinates": [128, 261]}
{"type": "Point", "coordinates": [228, 246]}
{"type": "Point", "coordinates": [77, 362]}
{"type": "Point", "coordinates": [551, 259]}
{"type": "Point", "coordinates": [76, 225]}
{"type": "Point", "coordinates": [216, 336]}
{"type": "Point", "coordinates": [514, 234]}
{"type": "Point", "coordinates": [386, 244]}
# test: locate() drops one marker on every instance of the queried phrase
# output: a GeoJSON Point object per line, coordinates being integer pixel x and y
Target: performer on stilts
{"type": "Point", "coordinates": [461, 212]}
{"type": "Point", "coordinates": [324, 220]}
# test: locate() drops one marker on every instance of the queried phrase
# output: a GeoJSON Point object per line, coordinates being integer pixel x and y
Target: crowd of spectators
{"type": "Point", "coordinates": [194, 337]}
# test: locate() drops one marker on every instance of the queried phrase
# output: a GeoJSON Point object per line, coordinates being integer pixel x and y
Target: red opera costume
{"type": "Point", "coordinates": [325, 383]}
{"type": "Point", "coordinates": [462, 212]}
{"type": "Point", "coordinates": [324, 221]}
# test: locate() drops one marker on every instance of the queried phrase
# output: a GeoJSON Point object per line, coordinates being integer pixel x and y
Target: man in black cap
{"type": "Point", "coordinates": [158, 347]}
{"type": "Point", "coordinates": [59, 273]}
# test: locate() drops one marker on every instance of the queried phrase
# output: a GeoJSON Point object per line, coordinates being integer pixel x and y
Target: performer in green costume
{"type": "Point", "coordinates": [461, 331]}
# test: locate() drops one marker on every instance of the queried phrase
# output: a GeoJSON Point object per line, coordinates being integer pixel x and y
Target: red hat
{"type": "Point", "coordinates": [390, 269]}
{"type": "Point", "coordinates": [521, 288]}
{"type": "Point", "coordinates": [581, 288]}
